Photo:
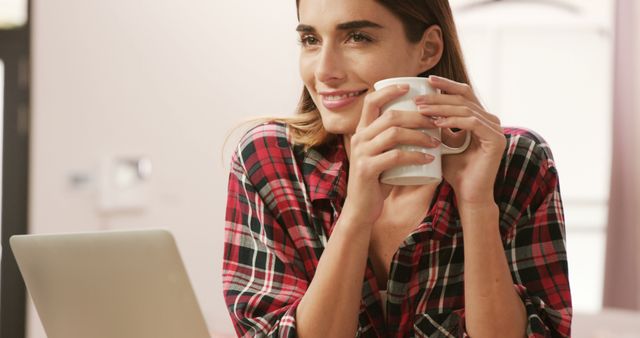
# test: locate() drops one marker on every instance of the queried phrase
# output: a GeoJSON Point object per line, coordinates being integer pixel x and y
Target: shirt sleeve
{"type": "Point", "coordinates": [535, 246]}
{"type": "Point", "coordinates": [262, 280]}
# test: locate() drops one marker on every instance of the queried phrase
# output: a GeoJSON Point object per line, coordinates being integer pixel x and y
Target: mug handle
{"type": "Point", "coordinates": [446, 150]}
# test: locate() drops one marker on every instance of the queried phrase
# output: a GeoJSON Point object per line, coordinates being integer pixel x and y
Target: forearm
{"type": "Point", "coordinates": [492, 306]}
{"type": "Point", "coordinates": [331, 304]}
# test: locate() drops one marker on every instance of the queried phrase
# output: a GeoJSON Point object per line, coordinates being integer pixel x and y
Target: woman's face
{"type": "Point", "coordinates": [346, 47]}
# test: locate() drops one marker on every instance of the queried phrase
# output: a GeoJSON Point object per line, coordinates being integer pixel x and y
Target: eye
{"type": "Point", "coordinates": [359, 37]}
{"type": "Point", "coordinates": [308, 40]}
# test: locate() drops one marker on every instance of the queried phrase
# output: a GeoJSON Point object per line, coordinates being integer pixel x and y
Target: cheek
{"type": "Point", "coordinates": [367, 68]}
{"type": "Point", "coordinates": [405, 58]}
{"type": "Point", "coordinates": [384, 65]}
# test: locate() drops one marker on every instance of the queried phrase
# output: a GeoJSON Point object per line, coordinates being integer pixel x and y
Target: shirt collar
{"type": "Point", "coordinates": [444, 212]}
{"type": "Point", "coordinates": [325, 171]}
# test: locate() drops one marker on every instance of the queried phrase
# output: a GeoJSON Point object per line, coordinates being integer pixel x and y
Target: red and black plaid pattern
{"type": "Point", "coordinates": [283, 203]}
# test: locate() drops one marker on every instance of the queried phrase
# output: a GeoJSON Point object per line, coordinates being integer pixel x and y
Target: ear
{"type": "Point", "coordinates": [432, 47]}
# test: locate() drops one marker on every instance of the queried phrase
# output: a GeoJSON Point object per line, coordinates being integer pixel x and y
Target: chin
{"type": "Point", "coordinates": [339, 124]}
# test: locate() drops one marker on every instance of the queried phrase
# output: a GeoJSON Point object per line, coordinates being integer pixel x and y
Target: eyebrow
{"type": "Point", "coordinates": [343, 26]}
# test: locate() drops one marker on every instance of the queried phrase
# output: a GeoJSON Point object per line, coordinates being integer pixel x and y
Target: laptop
{"type": "Point", "coordinates": [110, 284]}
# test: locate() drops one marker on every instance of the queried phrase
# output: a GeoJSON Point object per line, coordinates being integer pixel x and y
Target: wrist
{"type": "Point", "coordinates": [353, 223]}
{"type": "Point", "coordinates": [353, 215]}
{"type": "Point", "coordinates": [479, 213]}
{"type": "Point", "coordinates": [478, 206]}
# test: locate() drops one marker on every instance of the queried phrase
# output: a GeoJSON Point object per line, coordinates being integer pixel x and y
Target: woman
{"type": "Point", "coordinates": [316, 246]}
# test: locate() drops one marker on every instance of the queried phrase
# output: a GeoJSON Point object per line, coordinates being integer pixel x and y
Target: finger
{"type": "Point", "coordinates": [452, 87]}
{"type": "Point", "coordinates": [397, 118]}
{"type": "Point", "coordinates": [397, 157]}
{"type": "Point", "coordinates": [477, 126]}
{"type": "Point", "coordinates": [395, 136]}
{"type": "Point", "coordinates": [459, 111]}
{"type": "Point", "coordinates": [446, 99]}
{"type": "Point", "coordinates": [374, 101]}
{"type": "Point", "coordinates": [454, 100]}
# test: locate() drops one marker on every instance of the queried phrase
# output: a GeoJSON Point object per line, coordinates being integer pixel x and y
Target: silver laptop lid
{"type": "Point", "coordinates": [109, 284]}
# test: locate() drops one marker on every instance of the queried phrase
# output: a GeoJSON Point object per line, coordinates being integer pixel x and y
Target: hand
{"type": "Point", "coordinates": [372, 152]}
{"type": "Point", "coordinates": [472, 173]}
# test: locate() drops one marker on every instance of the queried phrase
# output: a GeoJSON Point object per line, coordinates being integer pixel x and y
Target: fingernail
{"type": "Point", "coordinates": [428, 157]}
{"type": "Point", "coordinates": [403, 86]}
{"type": "Point", "coordinates": [419, 99]}
{"type": "Point", "coordinates": [434, 78]}
{"type": "Point", "coordinates": [436, 142]}
{"type": "Point", "coordinates": [424, 107]}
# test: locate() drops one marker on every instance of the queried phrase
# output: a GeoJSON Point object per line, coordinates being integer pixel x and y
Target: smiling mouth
{"type": "Point", "coordinates": [343, 96]}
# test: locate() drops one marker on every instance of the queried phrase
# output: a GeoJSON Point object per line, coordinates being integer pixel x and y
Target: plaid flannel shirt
{"type": "Point", "coordinates": [283, 203]}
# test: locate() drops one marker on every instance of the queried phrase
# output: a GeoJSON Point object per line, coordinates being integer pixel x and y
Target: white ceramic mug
{"type": "Point", "coordinates": [424, 173]}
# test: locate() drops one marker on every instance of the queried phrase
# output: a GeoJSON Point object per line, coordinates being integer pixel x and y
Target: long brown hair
{"type": "Point", "coordinates": [306, 126]}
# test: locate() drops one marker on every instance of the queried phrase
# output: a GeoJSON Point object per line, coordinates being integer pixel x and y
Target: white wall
{"type": "Point", "coordinates": [165, 79]}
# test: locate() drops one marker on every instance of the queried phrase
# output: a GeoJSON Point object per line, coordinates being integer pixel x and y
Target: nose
{"type": "Point", "coordinates": [330, 66]}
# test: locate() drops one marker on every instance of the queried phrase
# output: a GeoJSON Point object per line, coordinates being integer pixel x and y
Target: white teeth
{"type": "Point", "coordinates": [340, 97]}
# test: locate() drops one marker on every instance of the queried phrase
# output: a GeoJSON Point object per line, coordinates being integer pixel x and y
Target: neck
{"type": "Point", "coordinates": [347, 144]}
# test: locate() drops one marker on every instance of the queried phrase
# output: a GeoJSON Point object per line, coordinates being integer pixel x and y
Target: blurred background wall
{"type": "Point", "coordinates": [166, 81]}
